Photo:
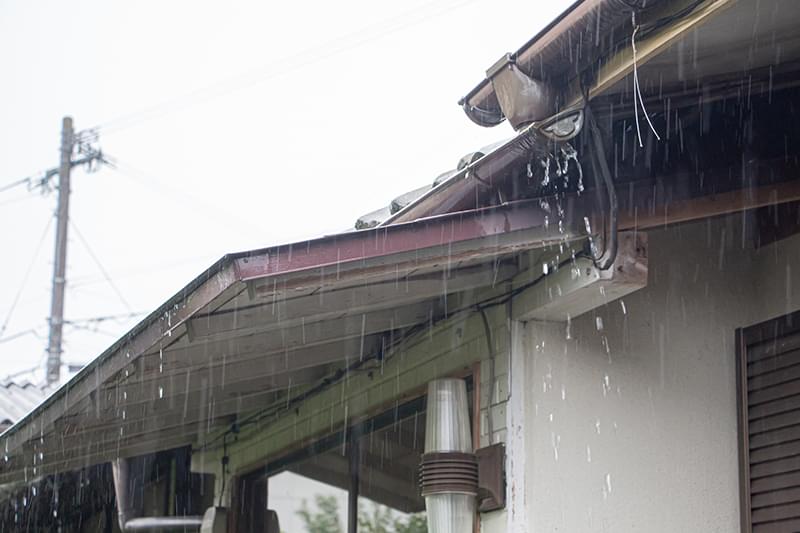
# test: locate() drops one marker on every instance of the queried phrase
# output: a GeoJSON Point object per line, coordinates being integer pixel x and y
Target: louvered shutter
{"type": "Point", "coordinates": [769, 384]}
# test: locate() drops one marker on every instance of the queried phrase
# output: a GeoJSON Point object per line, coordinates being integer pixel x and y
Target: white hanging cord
{"type": "Point", "coordinates": [637, 97]}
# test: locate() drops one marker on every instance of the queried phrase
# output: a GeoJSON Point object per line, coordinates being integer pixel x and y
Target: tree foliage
{"type": "Point", "coordinates": [325, 519]}
{"type": "Point", "coordinates": [372, 518]}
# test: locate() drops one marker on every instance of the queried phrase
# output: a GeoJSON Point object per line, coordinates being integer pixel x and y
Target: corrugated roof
{"type": "Point", "coordinates": [18, 399]}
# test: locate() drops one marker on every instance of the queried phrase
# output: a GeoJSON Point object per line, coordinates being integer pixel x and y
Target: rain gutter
{"type": "Point", "coordinates": [572, 41]}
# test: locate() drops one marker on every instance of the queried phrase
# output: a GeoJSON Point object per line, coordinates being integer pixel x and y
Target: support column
{"type": "Point", "coordinates": [352, 494]}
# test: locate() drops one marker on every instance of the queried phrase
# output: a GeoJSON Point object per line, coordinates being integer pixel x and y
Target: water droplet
{"type": "Point", "coordinates": [607, 486]}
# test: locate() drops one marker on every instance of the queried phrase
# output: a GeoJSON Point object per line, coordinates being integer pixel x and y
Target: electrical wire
{"type": "Point", "coordinates": [116, 318]}
{"type": "Point", "coordinates": [492, 359]}
{"type": "Point", "coordinates": [77, 282]}
{"type": "Point", "coordinates": [25, 278]}
{"type": "Point", "coordinates": [100, 266]}
{"type": "Point", "coordinates": [288, 64]}
{"type": "Point", "coordinates": [9, 186]}
{"type": "Point", "coordinates": [16, 200]}
{"type": "Point", "coordinates": [637, 92]}
{"type": "Point", "coordinates": [609, 255]}
{"type": "Point", "coordinates": [227, 218]}
{"type": "Point", "coordinates": [17, 335]}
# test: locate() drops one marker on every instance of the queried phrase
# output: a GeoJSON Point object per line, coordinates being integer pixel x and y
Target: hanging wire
{"type": "Point", "coordinates": [25, 278]}
{"type": "Point", "coordinates": [637, 93]}
{"type": "Point", "coordinates": [288, 64]}
{"type": "Point", "coordinates": [103, 270]}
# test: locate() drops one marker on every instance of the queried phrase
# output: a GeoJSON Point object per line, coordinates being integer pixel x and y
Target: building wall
{"type": "Point", "coordinates": [624, 420]}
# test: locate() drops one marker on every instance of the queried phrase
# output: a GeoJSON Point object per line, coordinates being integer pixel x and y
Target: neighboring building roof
{"type": "Point", "coordinates": [18, 399]}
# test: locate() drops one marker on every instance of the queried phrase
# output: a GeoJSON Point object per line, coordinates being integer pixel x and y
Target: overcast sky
{"type": "Point", "coordinates": [236, 125]}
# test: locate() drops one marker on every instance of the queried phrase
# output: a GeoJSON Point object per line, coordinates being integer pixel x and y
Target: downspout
{"type": "Point", "coordinates": [128, 513]}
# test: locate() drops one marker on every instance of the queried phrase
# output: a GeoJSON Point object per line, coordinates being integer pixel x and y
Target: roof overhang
{"type": "Point", "coordinates": [258, 324]}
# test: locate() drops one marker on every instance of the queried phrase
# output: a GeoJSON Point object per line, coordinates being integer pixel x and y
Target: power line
{"type": "Point", "coordinates": [9, 186]}
{"type": "Point", "coordinates": [25, 280]}
{"type": "Point", "coordinates": [286, 65]}
{"type": "Point", "coordinates": [101, 267]}
{"type": "Point", "coordinates": [227, 218]}
{"type": "Point", "coordinates": [97, 319]}
{"type": "Point", "coordinates": [17, 335]}
{"type": "Point", "coordinates": [16, 200]}
{"type": "Point", "coordinates": [86, 281]}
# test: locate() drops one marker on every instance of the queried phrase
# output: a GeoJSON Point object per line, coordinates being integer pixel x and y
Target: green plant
{"type": "Point", "coordinates": [372, 518]}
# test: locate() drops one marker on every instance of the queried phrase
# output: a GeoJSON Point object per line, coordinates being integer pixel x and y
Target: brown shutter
{"type": "Point", "coordinates": [769, 423]}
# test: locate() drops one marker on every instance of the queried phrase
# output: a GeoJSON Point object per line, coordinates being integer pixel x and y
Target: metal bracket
{"type": "Point", "coordinates": [491, 477]}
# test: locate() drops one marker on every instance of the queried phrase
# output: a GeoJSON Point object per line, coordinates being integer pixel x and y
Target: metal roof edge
{"type": "Point", "coordinates": [140, 327]}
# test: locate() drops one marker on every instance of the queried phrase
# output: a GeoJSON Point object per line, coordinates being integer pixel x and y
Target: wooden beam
{"type": "Point", "coordinates": [646, 214]}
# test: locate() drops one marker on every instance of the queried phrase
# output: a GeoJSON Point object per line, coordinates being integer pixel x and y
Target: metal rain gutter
{"type": "Point", "coordinates": [584, 23]}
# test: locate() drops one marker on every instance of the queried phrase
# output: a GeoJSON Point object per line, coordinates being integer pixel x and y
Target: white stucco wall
{"type": "Point", "coordinates": [632, 427]}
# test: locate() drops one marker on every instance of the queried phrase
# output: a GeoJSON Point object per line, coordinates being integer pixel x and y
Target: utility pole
{"type": "Point", "coordinates": [53, 370]}
{"type": "Point", "coordinates": [91, 157]}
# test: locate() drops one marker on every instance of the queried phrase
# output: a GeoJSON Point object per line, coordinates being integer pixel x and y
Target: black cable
{"type": "Point", "coordinates": [605, 261]}
{"type": "Point", "coordinates": [490, 345]}
{"type": "Point", "coordinates": [224, 471]}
